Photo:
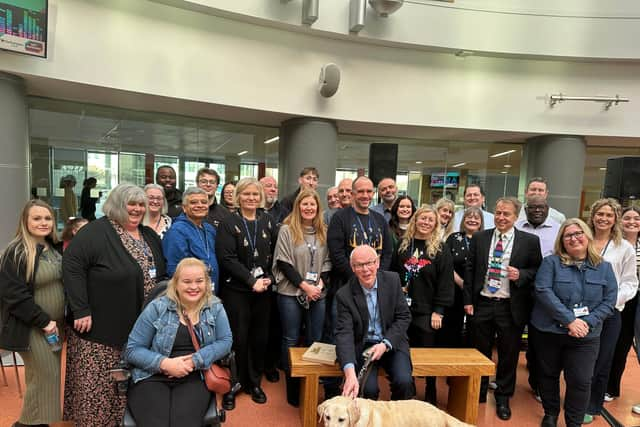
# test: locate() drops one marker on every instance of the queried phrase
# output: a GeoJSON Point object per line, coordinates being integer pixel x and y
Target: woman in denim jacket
{"type": "Point", "coordinates": [575, 292]}
{"type": "Point", "coordinates": [168, 388]}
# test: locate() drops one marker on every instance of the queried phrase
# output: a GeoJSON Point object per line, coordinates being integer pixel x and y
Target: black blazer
{"type": "Point", "coordinates": [353, 317]}
{"type": "Point", "coordinates": [525, 256]}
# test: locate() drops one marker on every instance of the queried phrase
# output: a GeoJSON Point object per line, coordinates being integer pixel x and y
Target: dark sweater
{"type": "Point", "coordinates": [235, 254]}
{"type": "Point", "coordinates": [429, 280]}
{"type": "Point", "coordinates": [217, 213]}
{"type": "Point", "coordinates": [19, 310]}
{"type": "Point", "coordinates": [174, 203]}
{"type": "Point", "coordinates": [345, 233]}
{"type": "Point", "coordinates": [103, 280]}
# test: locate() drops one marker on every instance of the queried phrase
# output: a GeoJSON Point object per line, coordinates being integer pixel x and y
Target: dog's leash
{"type": "Point", "coordinates": [364, 372]}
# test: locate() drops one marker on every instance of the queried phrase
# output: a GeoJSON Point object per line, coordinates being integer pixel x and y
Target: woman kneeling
{"type": "Point", "coordinates": [168, 388]}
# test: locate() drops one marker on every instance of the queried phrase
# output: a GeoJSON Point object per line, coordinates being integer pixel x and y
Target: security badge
{"type": "Point", "coordinates": [311, 277]}
{"type": "Point", "coordinates": [257, 272]}
{"type": "Point", "coordinates": [152, 272]}
{"type": "Point", "coordinates": [581, 311]}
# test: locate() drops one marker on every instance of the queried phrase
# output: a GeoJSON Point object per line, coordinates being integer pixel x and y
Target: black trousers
{"type": "Point", "coordinates": [274, 343]}
{"type": "Point", "coordinates": [155, 403]}
{"type": "Point", "coordinates": [450, 335]}
{"type": "Point", "coordinates": [532, 362]}
{"type": "Point", "coordinates": [600, 379]}
{"type": "Point", "coordinates": [625, 341]}
{"type": "Point", "coordinates": [248, 314]}
{"type": "Point", "coordinates": [577, 357]}
{"type": "Point", "coordinates": [491, 318]}
{"type": "Point", "coordinates": [422, 335]}
{"type": "Point", "coordinates": [398, 366]}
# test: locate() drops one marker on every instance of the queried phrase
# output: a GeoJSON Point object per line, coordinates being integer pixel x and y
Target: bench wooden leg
{"type": "Point", "coordinates": [464, 393]}
{"type": "Point", "coordinates": [309, 401]}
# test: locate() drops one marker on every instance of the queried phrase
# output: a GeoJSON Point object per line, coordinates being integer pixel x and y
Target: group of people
{"type": "Point", "coordinates": [164, 270]}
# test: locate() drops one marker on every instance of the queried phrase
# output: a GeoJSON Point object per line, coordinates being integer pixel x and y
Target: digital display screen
{"type": "Point", "coordinates": [23, 26]}
{"type": "Point", "coordinates": [452, 179]}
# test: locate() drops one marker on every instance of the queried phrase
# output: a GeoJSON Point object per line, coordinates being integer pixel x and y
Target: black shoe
{"type": "Point", "coordinates": [272, 376]}
{"type": "Point", "coordinates": [483, 398]}
{"type": "Point", "coordinates": [549, 421]}
{"type": "Point", "coordinates": [503, 411]}
{"type": "Point", "coordinates": [229, 401]}
{"type": "Point", "coordinates": [257, 395]}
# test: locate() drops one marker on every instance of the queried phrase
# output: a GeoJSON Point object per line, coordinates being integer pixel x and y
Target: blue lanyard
{"type": "Point", "coordinates": [255, 236]}
{"type": "Point", "coordinates": [367, 238]}
{"type": "Point", "coordinates": [203, 235]}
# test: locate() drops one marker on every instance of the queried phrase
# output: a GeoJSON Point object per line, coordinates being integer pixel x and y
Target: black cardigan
{"type": "Point", "coordinates": [235, 258]}
{"type": "Point", "coordinates": [19, 310]}
{"type": "Point", "coordinates": [103, 280]}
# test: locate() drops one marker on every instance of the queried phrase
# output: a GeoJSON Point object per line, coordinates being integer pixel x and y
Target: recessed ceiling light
{"type": "Point", "coordinates": [457, 165]}
{"type": "Point", "coordinates": [503, 172]}
{"type": "Point", "coordinates": [507, 166]}
{"type": "Point", "coordinates": [504, 153]}
{"type": "Point", "coordinates": [242, 153]}
{"type": "Point", "coordinates": [274, 139]}
{"type": "Point", "coordinates": [603, 169]}
{"type": "Point", "coordinates": [419, 162]}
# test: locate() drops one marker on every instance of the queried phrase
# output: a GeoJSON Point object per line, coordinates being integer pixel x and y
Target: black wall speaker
{"type": "Point", "coordinates": [622, 180]}
{"type": "Point", "coordinates": [383, 162]}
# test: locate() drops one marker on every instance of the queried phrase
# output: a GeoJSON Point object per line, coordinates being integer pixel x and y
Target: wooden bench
{"type": "Point", "coordinates": [465, 366]}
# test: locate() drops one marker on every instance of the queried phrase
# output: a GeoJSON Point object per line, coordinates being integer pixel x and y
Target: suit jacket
{"type": "Point", "coordinates": [525, 256]}
{"type": "Point", "coordinates": [353, 317]}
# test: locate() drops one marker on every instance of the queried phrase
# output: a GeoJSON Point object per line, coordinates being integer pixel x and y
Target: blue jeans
{"type": "Point", "coordinates": [292, 314]}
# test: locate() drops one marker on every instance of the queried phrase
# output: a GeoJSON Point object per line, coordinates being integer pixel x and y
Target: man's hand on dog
{"type": "Point", "coordinates": [351, 386]}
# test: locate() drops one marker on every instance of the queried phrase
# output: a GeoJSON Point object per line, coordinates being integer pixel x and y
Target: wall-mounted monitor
{"type": "Point", "coordinates": [452, 180]}
{"type": "Point", "coordinates": [23, 26]}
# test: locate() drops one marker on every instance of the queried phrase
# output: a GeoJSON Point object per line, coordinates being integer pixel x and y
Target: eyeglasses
{"type": "Point", "coordinates": [577, 236]}
{"type": "Point", "coordinates": [207, 182]}
{"type": "Point", "coordinates": [364, 265]}
{"type": "Point", "coordinates": [155, 199]}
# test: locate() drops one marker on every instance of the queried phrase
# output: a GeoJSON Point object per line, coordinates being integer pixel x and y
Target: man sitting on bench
{"type": "Point", "coordinates": [373, 314]}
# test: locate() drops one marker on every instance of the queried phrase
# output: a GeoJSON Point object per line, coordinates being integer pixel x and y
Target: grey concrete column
{"type": "Point", "coordinates": [14, 162]}
{"type": "Point", "coordinates": [307, 142]}
{"type": "Point", "coordinates": [560, 159]}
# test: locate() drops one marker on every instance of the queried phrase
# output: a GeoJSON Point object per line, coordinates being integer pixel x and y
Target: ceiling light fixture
{"type": "Point", "coordinates": [270, 140]}
{"type": "Point", "coordinates": [504, 153]}
{"type": "Point", "coordinates": [507, 166]}
{"type": "Point", "coordinates": [503, 172]}
{"type": "Point", "coordinates": [419, 162]}
{"type": "Point", "coordinates": [457, 165]}
{"type": "Point", "coordinates": [603, 169]}
{"type": "Point", "coordinates": [242, 153]}
{"type": "Point", "coordinates": [608, 100]}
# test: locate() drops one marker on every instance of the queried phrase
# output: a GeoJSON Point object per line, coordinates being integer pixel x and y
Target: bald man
{"type": "Point", "coordinates": [271, 204]}
{"type": "Point", "coordinates": [373, 315]}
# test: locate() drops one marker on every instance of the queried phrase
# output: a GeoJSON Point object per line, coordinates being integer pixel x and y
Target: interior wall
{"type": "Point", "coordinates": [151, 48]}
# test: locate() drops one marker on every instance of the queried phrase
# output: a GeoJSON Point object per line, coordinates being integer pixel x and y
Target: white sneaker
{"type": "Point", "coordinates": [492, 385]}
{"type": "Point", "coordinates": [636, 409]}
{"type": "Point", "coordinates": [608, 397]}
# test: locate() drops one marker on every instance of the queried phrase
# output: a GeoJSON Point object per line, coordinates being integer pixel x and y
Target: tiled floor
{"type": "Point", "coordinates": [527, 412]}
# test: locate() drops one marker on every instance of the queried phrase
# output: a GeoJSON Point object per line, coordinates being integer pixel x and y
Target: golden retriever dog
{"type": "Point", "coordinates": [343, 411]}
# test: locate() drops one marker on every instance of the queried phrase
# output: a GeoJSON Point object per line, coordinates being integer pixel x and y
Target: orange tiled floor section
{"type": "Point", "coordinates": [526, 411]}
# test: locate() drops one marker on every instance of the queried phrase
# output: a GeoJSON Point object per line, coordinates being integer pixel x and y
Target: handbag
{"type": "Point", "coordinates": [216, 378]}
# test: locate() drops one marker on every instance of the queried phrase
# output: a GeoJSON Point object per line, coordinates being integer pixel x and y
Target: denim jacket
{"type": "Point", "coordinates": [561, 288]}
{"type": "Point", "coordinates": [152, 337]}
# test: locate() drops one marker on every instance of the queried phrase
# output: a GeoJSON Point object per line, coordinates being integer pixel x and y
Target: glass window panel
{"type": "Point", "coordinates": [190, 171]}
{"type": "Point", "coordinates": [69, 169]}
{"type": "Point", "coordinates": [167, 160]}
{"type": "Point", "coordinates": [248, 170]}
{"type": "Point", "coordinates": [132, 168]}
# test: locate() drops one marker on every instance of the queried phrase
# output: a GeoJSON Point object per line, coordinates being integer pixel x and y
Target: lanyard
{"type": "Point", "coordinates": [367, 238]}
{"type": "Point", "coordinates": [372, 317]}
{"type": "Point", "coordinates": [312, 252]}
{"type": "Point", "coordinates": [143, 246]}
{"type": "Point", "coordinates": [254, 249]}
{"type": "Point", "coordinates": [604, 250]}
{"type": "Point", "coordinates": [203, 236]}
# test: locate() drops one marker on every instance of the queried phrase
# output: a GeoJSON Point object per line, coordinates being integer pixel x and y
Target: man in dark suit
{"type": "Point", "coordinates": [498, 295]}
{"type": "Point", "coordinates": [373, 315]}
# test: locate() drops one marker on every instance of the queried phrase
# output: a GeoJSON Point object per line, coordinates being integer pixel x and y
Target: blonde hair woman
{"type": "Point", "coordinates": [575, 292]}
{"type": "Point", "coordinates": [426, 272]}
{"type": "Point", "coordinates": [32, 307]}
{"type": "Point", "coordinates": [166, 374]}
{"type": "Point", "coordinates": [301, 268]}
{"type": "Point", "coordinates": [446, 209]}
{"type": "Point", "coordinates": [244, 246]}
{"type": "Point", "coordinates": [604, 222]}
